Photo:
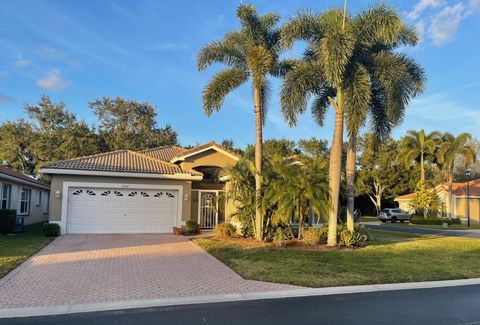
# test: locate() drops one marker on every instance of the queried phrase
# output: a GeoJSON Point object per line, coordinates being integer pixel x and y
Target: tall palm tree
{"type": "Point", "coordinates": [351, 64]}
{"type": "Point", "coordinates": [415, 146]}
{"type": "Point", "coordinates": [300, 187]}
{"type": "Point", "coordinates": [450, 148]}
{"type": "Point", "coordinates": [250, 53]}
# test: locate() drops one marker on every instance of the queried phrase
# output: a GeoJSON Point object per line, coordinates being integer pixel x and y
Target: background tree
{"type": "Point", "coordinates": [127, 124]}
{"type": "Point", "coordinates": [415, 146]}
{"type": "Point", "coordinates": [16, 140]}
{"type": "Point", "coordinates": [314, 147]}
{"type": "Point", "coordinates": [249, 53]}
{"type": "Point", "coordinates": [379, 176]}
{"type": "Point", "coordinates": [350, 63]}
{"type": "Point", "coordinates": [425, 201]}
{"type": "Point", "coordinates": [451, 148]}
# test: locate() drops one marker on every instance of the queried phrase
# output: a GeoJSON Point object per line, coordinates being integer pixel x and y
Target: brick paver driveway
{"type": "Point", "coordinates": [86, 269]}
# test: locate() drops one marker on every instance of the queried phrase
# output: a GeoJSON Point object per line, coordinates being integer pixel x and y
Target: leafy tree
{"type": "Point", "coordinates": [351, 63]}
{"type": "Point", "coordinates": [299, 188]}
{"type": "Point", "coordinates": [415, 146]}
{"type": "Point", "coordinates": [380, 177]}
{"type": "Point", "coordinates": [425, 200]}
{"type": "Point", "coordinates": [127, 124]}
{"type": "Point", "coordinates": [230, 144]}
{"type": "Point", "coordinates": [450, 148]}
{"type": "Point", "coordinates": [16, 139]}
{"type": "Point", "coordinates": [314, 147]}
{"type": "Point", "coordinates": [58, 135]}
{"type": "Point", "coordinates": [250, 53]}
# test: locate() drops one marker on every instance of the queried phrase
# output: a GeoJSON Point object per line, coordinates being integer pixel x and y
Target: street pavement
{"type": "Point", "coordinates": [452, 305]}
{"type": "Point", "coordinates": [470, 233]}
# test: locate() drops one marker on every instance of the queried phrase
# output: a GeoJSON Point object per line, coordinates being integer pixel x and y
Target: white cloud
{"type": "Point", "coordinates": [4, 99]}
{"type": "Point", "coordinates": [444, 24]}
{"type": "Point", "coordinates": [21, 63]}
{"type": "Point", "coordinates": [52, 81]}
{"type": "Point", "coordinates": [53, 52]}
{"type": "Point", "coordinates": [421, 6]}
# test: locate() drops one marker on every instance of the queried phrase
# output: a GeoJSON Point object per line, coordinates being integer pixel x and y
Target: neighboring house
{"type": "Point", "coordinates": [138, 192]}
{"type": "Point", "coordinates": [461, 194]}
{"type": "Point", "coordinates": [25, 194]}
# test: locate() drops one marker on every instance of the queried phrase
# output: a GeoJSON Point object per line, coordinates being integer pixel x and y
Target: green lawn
{"type": "Point", "coordinates": [390, 257]}
{"type": "Point", "coordinates": [14, 249]}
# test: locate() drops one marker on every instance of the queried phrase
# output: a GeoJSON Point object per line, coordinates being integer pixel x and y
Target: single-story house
{"type": "Point", "coordinates": [462, 193]}
{"type": "Point", "coordinates": [148, 191]}
{"type": "Point", "coordinates": [25, 194]}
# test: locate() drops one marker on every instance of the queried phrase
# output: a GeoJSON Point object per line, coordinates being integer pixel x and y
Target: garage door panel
{"type": "Point", "coordinates": [109, 210]}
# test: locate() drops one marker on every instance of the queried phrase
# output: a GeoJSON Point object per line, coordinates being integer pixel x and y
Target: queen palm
{"type": "Point", "coordinates": [351, 64]}
{"type": "Point", "coordinates": [416, 146]}
{"type": "Point", "coordinates": [450, 148]}
{"type": "Point", "coordinates": [250, 53]}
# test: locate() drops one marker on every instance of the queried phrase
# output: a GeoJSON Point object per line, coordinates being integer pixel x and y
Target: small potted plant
{"type": "Point", "coordinates": [177, 231]}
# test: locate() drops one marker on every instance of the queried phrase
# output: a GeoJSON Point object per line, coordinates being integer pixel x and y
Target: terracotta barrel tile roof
{"type": "Point", "coordinates": [165, 153]}
{"type": "Point", "coordinates": [122, 161]}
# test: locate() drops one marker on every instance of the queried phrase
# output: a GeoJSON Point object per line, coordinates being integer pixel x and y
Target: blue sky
{"type": "Point", "coordinates": [78, 51]}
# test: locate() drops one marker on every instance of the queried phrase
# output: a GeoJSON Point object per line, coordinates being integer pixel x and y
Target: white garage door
{"type": "Point", "coordinates": [113, 210]}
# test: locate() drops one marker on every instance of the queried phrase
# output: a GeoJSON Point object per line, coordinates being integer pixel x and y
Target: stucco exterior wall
{"type": "Point", "coordinates": [461, 209]}
{"type": "Point", "coordinates": [207, 158]}
{"type": "Point", "coordinates": [38, 202]}
{"type": "Point", "coordinates": [58, 180]}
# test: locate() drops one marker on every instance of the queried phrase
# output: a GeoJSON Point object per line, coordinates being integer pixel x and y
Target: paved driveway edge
{"type": "Point", "coordinates": [132, 304]}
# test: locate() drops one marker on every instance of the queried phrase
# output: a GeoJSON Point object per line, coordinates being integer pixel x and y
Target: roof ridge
{"type": "Point", "coordinates": [88, 156]}
{"type": "Point", "coordinates": [162, 147]}
{"type": "Point", "coordinates": [210, 143]}
{"type": "Point", "coordinates": [154, 159]}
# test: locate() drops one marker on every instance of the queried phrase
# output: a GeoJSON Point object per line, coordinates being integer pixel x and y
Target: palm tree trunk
{"type": "Point", "coordinates": [450, 197]}
{"type": "Point", "coordinates": [258, 164]}
{"type": "Point", "coordinates": [422, 168]}
{"type": "Point", "coordinates": [351, 158]}
{"type": "Point", "coordinates": [300, 221]}
{"type": "Point", "coordinates": [335, 169]}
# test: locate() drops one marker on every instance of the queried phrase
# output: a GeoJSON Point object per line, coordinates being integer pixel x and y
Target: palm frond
{"type": "Point", "coordinates": [357, 98]}
{"type": "Point", "coordinates": [303, 26]}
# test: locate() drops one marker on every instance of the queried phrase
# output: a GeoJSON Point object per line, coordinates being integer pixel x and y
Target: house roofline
{"type": "Point", "coordinates": [24, 181]}
{"type": "Point", "coordinates": [178, 176]}
{"type": "Point", "coordinates": [213, 146]}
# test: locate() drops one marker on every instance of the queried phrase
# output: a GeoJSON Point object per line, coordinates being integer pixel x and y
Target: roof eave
{"type": "Point", "coordinates": [177, 176]}
{"type": "Point", "coordinates": [214, 147]}
{"type": "Point", "coordinates": [24, 181]}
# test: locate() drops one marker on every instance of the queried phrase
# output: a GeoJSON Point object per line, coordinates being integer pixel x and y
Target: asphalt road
{"type": "Point", "coordinates": [439, 232]}
{"type": "Point", "coordinates": [454, 305]}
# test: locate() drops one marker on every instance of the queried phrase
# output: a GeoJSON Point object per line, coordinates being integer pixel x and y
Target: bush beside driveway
{"type": "Point", "coordinates": [14, 249]}
{"type": "Point", "coordinates": [392, 257]}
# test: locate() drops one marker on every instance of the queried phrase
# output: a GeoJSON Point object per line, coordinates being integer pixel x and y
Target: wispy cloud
{"type": "Point", "coordinates": [4, 73]}
{"type": "Point", "coordinates": [4, 99]}
{"type": "Point", "coordinates": [440, 21]}
{"type": "Point", "coordinates": [21, 63]}
{"type": "Point", "coordinates": [52, 81]}
{"type": "Point", "coordinates": [167, 47]}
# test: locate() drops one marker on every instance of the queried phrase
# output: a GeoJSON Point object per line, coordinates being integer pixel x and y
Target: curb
{"type": "Point", "coordinates": [295, 293]}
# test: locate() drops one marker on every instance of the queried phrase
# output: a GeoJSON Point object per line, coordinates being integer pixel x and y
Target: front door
{"type": "Point", "coordinates": [208, 209]}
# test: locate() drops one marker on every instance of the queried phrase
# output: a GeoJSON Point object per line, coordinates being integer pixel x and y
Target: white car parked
{"type": "Point", "coordinates": [393, 215]}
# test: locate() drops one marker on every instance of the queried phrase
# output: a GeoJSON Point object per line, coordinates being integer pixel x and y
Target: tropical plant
{"type": "Point", "coordinates": [425, 201]}
{"type": "Point", "coordinates": [225, 230]}
{"type": "Point", "coordinates": [352, 64]}
{"type": "Point", "coordinates": [314, 236]}
{"type": "Point", "coordinates": [415, 146]}
{"type": "Point", "coordinates": [249, 53]}
{"type": "Point", "coordinates": [450, 148]}
{"type": "Point", "coordinates": [300, 188]}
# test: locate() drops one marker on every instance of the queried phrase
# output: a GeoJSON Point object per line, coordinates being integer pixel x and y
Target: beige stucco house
{"type": "Point", "coordinates": [140, 192]}
{"type": "Point", "coordinates": [462, 193]}
{"type": "Point", "coordinates": [25, 194]}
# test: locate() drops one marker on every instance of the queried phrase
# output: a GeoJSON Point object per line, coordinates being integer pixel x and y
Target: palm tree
{"type": "Point", "coordinates": [250, 53]}
{"type": "Point", "coordinates": [415, 146]}
{"type": "Point", "coordinates": [350, 63]}
{"type": "Point", "coordinates": [300, 187]}
{"type": "Point", "coordinates": [450, 148]}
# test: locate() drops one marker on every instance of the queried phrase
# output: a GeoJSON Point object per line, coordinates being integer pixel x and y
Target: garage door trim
{"type": "Point", "coordinates": [67, 185]}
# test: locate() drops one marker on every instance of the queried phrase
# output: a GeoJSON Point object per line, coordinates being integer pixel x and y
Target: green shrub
{"type": "Point", "coordinates": [225, 230]}
{"type": "Point", "coordinates": [356, 238]}
{"type": "Point", "coordinates": [314, 236]}
{"type": "Point", "coordinates": [7, 221]}
{"type": "Point", "coordinates": [420, 220]}
{"type": "Point", "coordinates": [280, 236]}
{"type": "Point", "coordinates": [51, 229]}
{"type": "Point", "coordinates": [192, 227]}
